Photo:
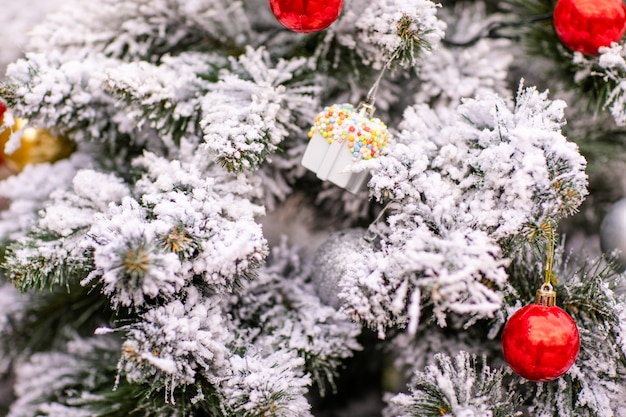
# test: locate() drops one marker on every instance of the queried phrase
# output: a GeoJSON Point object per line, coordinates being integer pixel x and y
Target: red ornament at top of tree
{"type": "Point", "coordinates": [306, 16]}
{"type": "Point", "coordinates": [540, 342]}
{"type": "Point", "coordinates": [586, 25]}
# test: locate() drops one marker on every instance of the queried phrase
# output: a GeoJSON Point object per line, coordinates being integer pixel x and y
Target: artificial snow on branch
{"type": "Point", "coordinates": [279, 310]}
{"type": "Point", "coordinates": [167, 96]}
{"type": "Point", "coordinates": [138, 245]}
{"type": "Point", "coordinates": [263, 384]}
{"type": "Point", "coordinates": [461, 386]}
{"type": "Point", "coordinates": [250, 111]}
{"type": "Point", "coordinates": [63, 93]}
{"type": "Point", "coordinates": [49, 379]}
{"type": "Point", "coordinates": [454, 73]}
{"type": "Point", "coordinates": [143, 30]}
{"type": "Point", "coordinates": [31, 190]}
{"type": "Point", "coordinates": [610, 66]}
{"type": "Point", "coordinates": [180, 343]}
{"type": "Point", "coordinates": [397, 32]}
{"type": "Point", "coordinates": [457, 185]}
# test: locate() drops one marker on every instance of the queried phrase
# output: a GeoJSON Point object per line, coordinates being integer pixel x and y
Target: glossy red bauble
{"type": "Point", "coordinates": [540, 343]}
{"type": "Point", "coordinates": [306, 16]}
{"type": "Point", "coordinates": [586, 25]}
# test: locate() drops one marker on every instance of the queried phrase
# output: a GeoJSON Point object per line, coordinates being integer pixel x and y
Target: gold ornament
{"type": "Point", "coordinates": [36, 146]}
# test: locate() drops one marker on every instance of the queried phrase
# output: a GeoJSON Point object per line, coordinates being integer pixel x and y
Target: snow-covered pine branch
{"type": "Point", "coordinates": [143, 30]}
{"type": "Point", "coordinates": [30, 191]}
{"type": "Point", "coordinates": [610, 67]}
{"type": "Point", "coordinates": [48, 381]}
{"type": "Point", "coordinates": [63, 93]}
{"type": "Point", "coordinates": [266, 383]}
{"type": "Point", "coordinates": [188, 219]}
{"type": "Point", "coordinates": [254, 107]}
{"type": "Point", "coordinates": [395, 32]}
{"type": "Point", "coordinates": [461, 386]}
{"type": "Point", "coordinates": [457, 185]}
{"type": "Point", "coordinates": [166, 97]}
{"type": "Point", "coordinates": [182, 343]}
{"type": "Point", "coordinates": [54, 251]}
{"type": "Point", "coordinates": [215, 348]}
{"type": "Point", "coordinates": [454, 73]}
{"type": "Point", "coordinates": [191, 220]}
{"type": "Point", "coordinates": [279, 310]}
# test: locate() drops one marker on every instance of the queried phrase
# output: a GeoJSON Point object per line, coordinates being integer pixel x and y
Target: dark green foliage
{"type": "Point", "coordinates": [85, 383]}
{"type": "Point", "coordinates": [41, 272]}
{"type": "Point", "coordinates": [412, 45]}
{"type": "Point", "coordinates": [286, 308]}
{"type": "Point", "coordinates": [142, 400]}
{"type": "Point", "coordinates": [245, 161]}
{"type": "Point", "coordinates": [463, 385]}
{"type": "Point", "coordinates": [7, 94]}
{"type": "Point", "coordinates": [43, 323]}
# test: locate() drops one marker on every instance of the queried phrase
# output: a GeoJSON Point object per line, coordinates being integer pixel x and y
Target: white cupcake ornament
{"type": "Point", "coordinates": [341, 136]}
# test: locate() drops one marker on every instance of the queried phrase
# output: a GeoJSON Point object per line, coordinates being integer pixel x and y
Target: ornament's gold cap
{"type": "Point", "coordinates": [366, 107]}
{"type": "Point", "coordinates": [546, 295]}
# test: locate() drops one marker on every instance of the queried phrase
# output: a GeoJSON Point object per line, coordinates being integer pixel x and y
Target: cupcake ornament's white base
{"type": "Point", "coordinates": [340, 136]}
{"type": "Point", "coordinates": [331, 161]}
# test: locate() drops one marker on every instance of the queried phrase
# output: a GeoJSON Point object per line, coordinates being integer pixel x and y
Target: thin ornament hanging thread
{"type": "Point", "coordinates": [540, 342]}
{"type": "Point", "coordinates": [306, 16]}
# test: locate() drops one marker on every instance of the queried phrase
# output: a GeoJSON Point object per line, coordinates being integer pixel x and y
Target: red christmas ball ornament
{"type": "Point", "coordinates": [586, 25]}
{"type": "Point", "coordinates": [540, 342]}
{"type": "Point", "coordinates": [306, 16]}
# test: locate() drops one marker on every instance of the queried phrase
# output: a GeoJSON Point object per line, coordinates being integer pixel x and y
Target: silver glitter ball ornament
{"type": "Point", "coordinates": [613, 233]}
{"type": "Point", "coordinates": [331, 261]}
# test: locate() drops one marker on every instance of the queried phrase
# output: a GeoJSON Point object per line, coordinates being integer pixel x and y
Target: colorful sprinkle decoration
{"type": "Point", "coordinates": [365, 137]}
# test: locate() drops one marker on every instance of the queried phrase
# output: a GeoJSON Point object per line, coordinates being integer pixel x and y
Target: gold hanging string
{"type": "Point", "coordinates": [549, 276]}
{"type": "Point", "coordinates": [546, 294]}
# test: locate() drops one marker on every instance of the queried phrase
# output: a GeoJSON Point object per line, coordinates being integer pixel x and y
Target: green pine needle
{"type": "Point", "coordinates": [41, 272]}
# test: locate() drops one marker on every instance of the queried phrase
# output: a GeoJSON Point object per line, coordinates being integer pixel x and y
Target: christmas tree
{"type": "Point", "coordinates": [314, 208]}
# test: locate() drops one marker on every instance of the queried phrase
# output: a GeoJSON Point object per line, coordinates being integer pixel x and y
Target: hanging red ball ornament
{"type": "Point", "coordinates": [540, 342]}
{"type": "Point", "coordinates": [306, 16]}
{"type": "Point", "coordinates": [586, 25]}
